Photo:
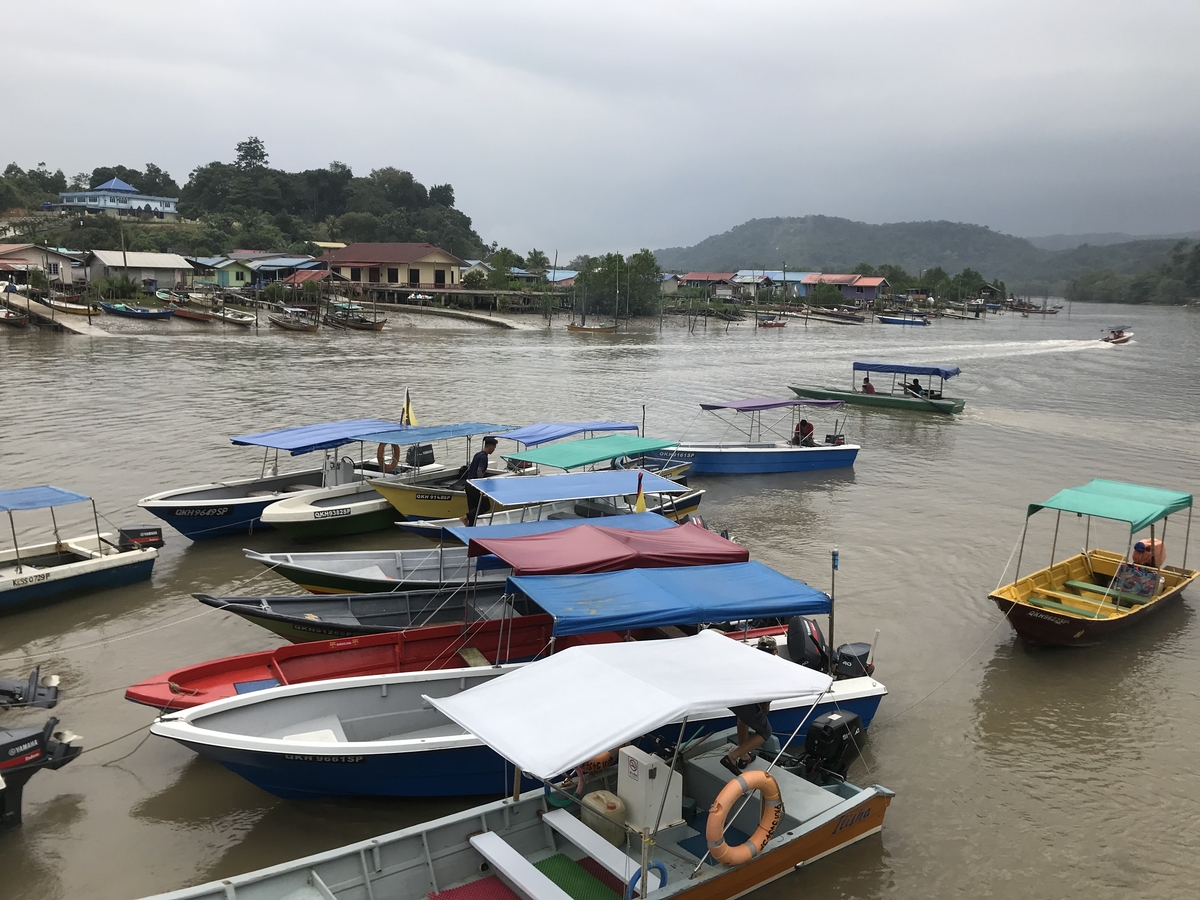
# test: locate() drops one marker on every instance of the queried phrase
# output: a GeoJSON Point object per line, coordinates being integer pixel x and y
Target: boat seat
{"type": "Point", "coordinates": [1062, 596]}
{"type": "Point", "coordinates": [327, 729]}
{"type": "Point", "coordinates": [369, 572]}
{"type": "Point", "coordinates": [614, 859]}
{"type": "Point", "coordinates": [472, 656]}
{"type": "Point", "coordinates": [1123, 596]}
{"type": "Point", "coordinates": [515, 870]}
{"type": "Point", "coordinates": [1060, 607]}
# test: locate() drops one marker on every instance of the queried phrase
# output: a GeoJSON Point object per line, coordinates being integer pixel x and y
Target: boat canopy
{"type": "Point", "coordinates": [647, 598]}
{"type": "Point", "coordinates": [530, 489]}
{"type": "Point", "coordinates": [573, 454]}
{"type": "Point", "coordinates": [899, 369]}
{"type": "Point", "coordinates": [420, 434]}
{"type": "Point", "coordinates": [757, 404]}
{"type": "Point", "coordinates": [646, 521]}
{"type": "Point", "coordinates": [1140, 506]}
{"type": "Point", "coordinates": [41, 497]}
{"type": "Point", "coordinates": [587, 550]}
{"type": "Point", "coordinates": [544, 432]}
{"type": "Point", "coordinates": [631, 688]}
{"type": "Point", "coordinates": [307, 438]}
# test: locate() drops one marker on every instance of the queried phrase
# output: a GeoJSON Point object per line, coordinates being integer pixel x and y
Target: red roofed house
{"type": "Point", "coordinates": [853, 287]}
{"type": "Point", "coordinates": [421, 266]}
{"type": "Point", "coordinates": [719, 284]}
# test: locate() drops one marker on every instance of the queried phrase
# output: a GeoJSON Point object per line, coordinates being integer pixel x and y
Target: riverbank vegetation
{"type": "Point", "coordinates": [1174, 282]}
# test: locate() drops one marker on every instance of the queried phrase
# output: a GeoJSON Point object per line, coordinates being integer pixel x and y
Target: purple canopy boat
{"type": "Point", "coordinates": [789, 445]}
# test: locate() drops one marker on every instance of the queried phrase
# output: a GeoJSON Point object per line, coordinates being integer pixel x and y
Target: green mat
{"type": "Point", "coordinates": [572, 878]}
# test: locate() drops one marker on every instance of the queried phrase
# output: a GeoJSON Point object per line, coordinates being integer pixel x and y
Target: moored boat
{"type": "Point", "coordinates": [349, 315]}
{"type": "Point", "coordinates": [795, 450]}
{"type": "Point", "coordinates": [592, 329]}
{"type": "Point", "coordinates": [235, 506]}
{"type": "Point", "coordinates": [292, 318]}
{"type": "Point", "coordinates": [130, 311]}
{"type": "Point", "coordinates": [234, 316]}
{"type": "Point", "coordinates": [1088, 596]}
{"type": "Point", "coordinates": [39, 573]}
{"type": "Point", "coordinates": [12, 318]}
{"type": "Point", "coordinates": [905, 319]}
{"type": "Point", "coordinates": [897, 396]}
{"type": "Point", "coordinates": [70, 306]}
{"type": "Point", "coordinates": [194, 315]}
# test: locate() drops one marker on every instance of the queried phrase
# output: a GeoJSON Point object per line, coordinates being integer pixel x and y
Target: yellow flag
{"type": "Point", "coordinates": [640, 505]}
{"type": "Point", "coordinates": [409, 417]}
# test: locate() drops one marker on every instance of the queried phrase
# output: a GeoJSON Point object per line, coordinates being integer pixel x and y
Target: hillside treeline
{"type": "Point", "coordinates": [1175, 281]}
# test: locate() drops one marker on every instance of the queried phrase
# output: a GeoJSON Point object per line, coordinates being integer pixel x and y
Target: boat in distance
{"type": "Point", "coordinates": [135, 312]}
{"type": "Point", "coordinates": [533, 841]}
{"type": "Point", "coordinates": [71, 307]}
{"type": "Point", "coordinates": [896, 396]}
{"type": "Point", "coordinates": [1080, 600]}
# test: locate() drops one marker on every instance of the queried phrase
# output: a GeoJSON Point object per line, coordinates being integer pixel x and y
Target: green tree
{"type": "Point", "coordinates": [536, 261]}
{"type": "Point", "coordinates": [474, 280]}
{"type": "Point", "coordinates": [442, 195]}
{"type": "Point", "coordinates": [825, 294]}
{"type": "Point", "coordinates": [251, 154]}
{"type": "Point", "coordinates": [865, 269]}
{"type": "Point", "coordinates": [502, 262]}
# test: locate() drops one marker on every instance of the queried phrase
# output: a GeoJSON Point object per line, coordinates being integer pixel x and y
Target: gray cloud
{"type": "Point", "coordinates": [587, 126]}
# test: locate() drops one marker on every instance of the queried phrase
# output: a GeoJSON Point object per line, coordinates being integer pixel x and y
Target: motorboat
{"type": "Point", "coordinates": [900, 395]}
{"type": "Point", "coordinates": [130, 311]}
{"type": "Point", "coordinates": [292, 318]}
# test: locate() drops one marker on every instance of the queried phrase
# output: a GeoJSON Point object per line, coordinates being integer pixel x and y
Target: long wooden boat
{"type": "Point", "coordinates": [592, 329]}
{"type": "Point", "coordinates": [12, 318]}
{"type": "Point", "coordinates": [194, 315]}
{"type": "Point", "coordinates": [294, 320]}
{"type": "Point", "coordinates": [349, 315]}
{"type": "Point", "coordinates": [836, 315]}
{"type": "Point", "coordinates": [70, 307]}
{"type": "Point", "coordinates": [532, 845]}
{"type": "Point", "coordinates": [129, 311]}
{"type": "Point", "coordinates": [235, 506]}
{"type": "Point", "coordinates": [1089, 596]}
{"type": "Point", "coordinates": [896, 396]}
{"type": "Point", "coordinates": [38, 573]}
{"type": "Point", "coordinates": [234, 316]}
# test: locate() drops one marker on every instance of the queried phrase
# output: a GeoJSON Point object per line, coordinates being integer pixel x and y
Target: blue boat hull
{"type": "Point", "coordinates": [734, 462]}
{"type": "Point", "coordinates": [61, 589]}
{"type": "Point", "coordinates": [199, 522]}
{"type": "Point", "coordinates": [457, 772]}
{"type": "Point", "coordinates": [897, 320]}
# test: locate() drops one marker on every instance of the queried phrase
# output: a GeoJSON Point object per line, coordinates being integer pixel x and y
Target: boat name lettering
{"type": "Point", "coordinates": [304, 757]}
{"type": "Point", "coordinates": [201, 511]}
{"type": "Point", "coordinates": [851, 818]}
{"type": "Point", "coordinates": [1041, 615]}
{"type": "Point", "coordinates": [683, 455]}
{"type": "Point", "coordinates": [332, 513]}
{"type": "Point", "coordinates": [28, 745]}
{"type": "Point", "coordinates": [31, 579]}
{"type": "Point", "coordinates": [433, 496]}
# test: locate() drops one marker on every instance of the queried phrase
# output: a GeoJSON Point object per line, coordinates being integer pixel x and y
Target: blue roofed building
{"type": "Point", "coordinates": [790, 284]}
{"type": "Point", "coordinates": [118, 198]}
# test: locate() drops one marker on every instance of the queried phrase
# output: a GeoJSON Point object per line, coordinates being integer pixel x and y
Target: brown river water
{"type": "Point", "coordinates": [1017, 773]}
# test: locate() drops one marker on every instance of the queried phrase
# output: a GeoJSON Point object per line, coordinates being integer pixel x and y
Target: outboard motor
{"type": "Point", "coordinates": [834, 740]}
{"type": "Point", "coordinates": [36, 691]}
{"type": "Point", "coordinates": [806, 644]}
{"type": "Point", "coordinates": [23, 751]}
{"type": "Point", "coordinates": [850, 660]}
{"type": "Point", "coordinates": [135, 537]}
{"type": "Point", "coordinates": [419, 455]}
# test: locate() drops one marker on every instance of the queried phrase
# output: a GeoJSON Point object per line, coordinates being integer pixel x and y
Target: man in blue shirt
{"type": "Point", "coordinates": [478, 469]}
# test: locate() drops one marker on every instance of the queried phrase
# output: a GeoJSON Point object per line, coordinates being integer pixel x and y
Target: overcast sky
{"type": "Point", "coordinates": [592, 126]}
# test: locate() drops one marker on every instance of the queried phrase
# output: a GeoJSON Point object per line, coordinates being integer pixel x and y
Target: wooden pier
{"type": "Point", "coordinates": [52, 318]}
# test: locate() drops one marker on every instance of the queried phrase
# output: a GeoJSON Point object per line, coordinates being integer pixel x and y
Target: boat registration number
{"type": "Point", "coordinates": [31, 579]}
{"type": "Point", "coordinates": [433, 496]}
{"type": "Point", "coordinates": [304, 757]}
{"type": "Point", "coordinates": [681, 455]}
{"type": "Point", "coordinates": [332, 513]}
{"type": "Point", "coordinates": [201, 511]}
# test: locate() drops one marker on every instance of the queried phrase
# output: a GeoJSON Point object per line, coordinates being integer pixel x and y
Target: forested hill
{"type": "Point", "coordinates": [826, 243]}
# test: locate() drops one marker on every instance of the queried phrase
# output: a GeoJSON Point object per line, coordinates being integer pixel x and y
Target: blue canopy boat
{"type": "Point", "coordinates": [207, 511]}
{"type": "Point", "coordinates": [544, 432]}
{"type": "Point", "coordinates": [378, 735]}
{"type": "Point", "coordinates": [50, 571]}
{"type": "Point", "coordinates": [136, 312]}
{"type": "Point", "coordinates": [795, 450]}
{"type": "Point", "coordinates": [904, 395]}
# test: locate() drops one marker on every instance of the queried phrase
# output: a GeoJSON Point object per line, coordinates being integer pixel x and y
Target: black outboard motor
{"type": "Point", "coordinates": [419, 455]}
{"type": "Point", "coordinates": [133, 537]}
{"type": "Point", "coordinates": [851, 660]}
{"type": "Point", "coordinates": [834, 740]}
{"type": "Point", "coordinates": [23, 751]}
{"type": "Point", "coordinates": [806, 644]}
{"type": "Point", "coordinates": [43, 693]}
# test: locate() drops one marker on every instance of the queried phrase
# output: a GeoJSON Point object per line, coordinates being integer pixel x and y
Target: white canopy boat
{"type": "Point", "coordinates": [537, 844]}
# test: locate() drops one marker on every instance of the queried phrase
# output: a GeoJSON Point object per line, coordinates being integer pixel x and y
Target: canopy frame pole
{"type": "Point", "coordinates": [516, 791]}
{"type": "Point", "coordinates": [648, 836]}
{"type": "Point", "coordinates": [833, 563]}
{"type": "Point", "coordinates": [16, 547]}
{"type": "Point", "coordinates": [1164, 537]}
{"type": "Point", "coordinates": [1020, 552]}
{"type": "Point", "coordinates": [54, 522]}
{"type": "Point", "coordinates": [1186, 537]}
{"type": "Point", "coordinates": [1054, 543]}
{"type": "Point", "coordinates": [96, 521]}
{"type": "Point", "coordinates": [1087, 536]}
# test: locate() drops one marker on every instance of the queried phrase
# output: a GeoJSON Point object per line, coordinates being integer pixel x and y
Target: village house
{"type": "Point", "coordinates": [154, 271]}
{"type": "Point", "coordinates": [790, 285]}
{"type": "Point", "coordinates": [117, 198]}
{"type": "Point", "coordinates": [670, 283]}
{"type": "Point", "coordinates": [718, 284]}
{"type": "Point", "coordinates": [421, 266]}
{"type": "Point", "coordinates": [853, 287]}
{"type": "Point", "coordinates": [17, 260]}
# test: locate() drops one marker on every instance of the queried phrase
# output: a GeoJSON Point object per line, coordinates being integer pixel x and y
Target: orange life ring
{"type": "Point", "coordinates": [772, 812]}
{"type": "Point", "coordinates": [379, 457]}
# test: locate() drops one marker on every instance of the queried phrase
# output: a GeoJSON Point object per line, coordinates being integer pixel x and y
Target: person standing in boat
{"type": "Point", "coordinates": [478, 469]}
{"type": "Point", "coordinates": [750, 718]}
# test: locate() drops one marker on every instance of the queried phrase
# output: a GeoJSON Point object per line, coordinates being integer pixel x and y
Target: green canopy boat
{"type": "Point", "coordinates": [589, 451]}
{"type": "Point", "coordinates": [896, 395]}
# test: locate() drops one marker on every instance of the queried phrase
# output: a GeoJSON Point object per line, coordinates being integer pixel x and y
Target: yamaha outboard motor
{"type": "Point", "coordinates": [851, 660]}
{"type": "Point", "coordinates": [23, 751]}
{"type": "Point", "coordinates": [834, 740]}
{"type": "Point", "coordinates": [36, 691]}
{"type": "Point", "coordinates": [806, 644]}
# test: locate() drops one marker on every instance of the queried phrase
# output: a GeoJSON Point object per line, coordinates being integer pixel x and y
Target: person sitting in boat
{"type": "Point", "coordinates": [750, 718]}
{"type": "Point", "coordinates": [803, 435]}
{"type": "Point", "coordinates": [914, 388]}
{"type": "Point", "coordinates": [478, 469]}
{"type": "Point", "coordinates": [867, 387]}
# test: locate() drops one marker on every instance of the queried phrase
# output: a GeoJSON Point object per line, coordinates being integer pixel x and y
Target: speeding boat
{"type": "Point", "coordinates": [774, 452]}
{"type": "Point", "coordinates": [37, 573]}
{"type": "Point", "coordinates": [895, 396]}
{"type": "Point", "coordinates": [1080, 600]}
{"type": "Point", "coordinates": [1118, 335]}
{"type": "Point", "coordinates": [235, 506]}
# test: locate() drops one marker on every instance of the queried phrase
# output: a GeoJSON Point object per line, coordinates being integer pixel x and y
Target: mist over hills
{"type": "Point", "coordinates": [1102, 239]}
{"type": "Point", "coordinates": [831, 244]}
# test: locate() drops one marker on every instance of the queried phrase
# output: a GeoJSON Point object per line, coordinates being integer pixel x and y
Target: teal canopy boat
{"type": "Point", "coordinates": [589, 451]}
{"type": "Point", "coordinates": [902, 394]}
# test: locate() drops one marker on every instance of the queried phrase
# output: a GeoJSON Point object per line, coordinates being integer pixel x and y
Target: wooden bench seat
{"type": "Point", "coordinates": [611, 858]}
{"type": "Point", "coordinates": [1125, 596]}
{"type": "Point", "coordinates": [1061, 607]}
{"type": "Point", "coordinates": [515, 870]}
{"type": "Point", "coordinates": [1064, 597]}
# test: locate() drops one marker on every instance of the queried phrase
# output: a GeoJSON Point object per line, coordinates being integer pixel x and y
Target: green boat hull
{"type": "Point", "coordinates": [891, 401]}
{"type": "Point", "coordinates": [306, 530]}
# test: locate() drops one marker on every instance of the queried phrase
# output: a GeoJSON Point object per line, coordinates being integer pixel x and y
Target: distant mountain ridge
{"type": "Point", "coordinates": [1103, 239]}
{"type": "Point", "coordinates": [831, 244]}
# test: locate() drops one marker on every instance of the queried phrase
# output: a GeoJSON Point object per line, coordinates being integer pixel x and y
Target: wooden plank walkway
{"type": "Point", "coordinates": [59, 321]}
